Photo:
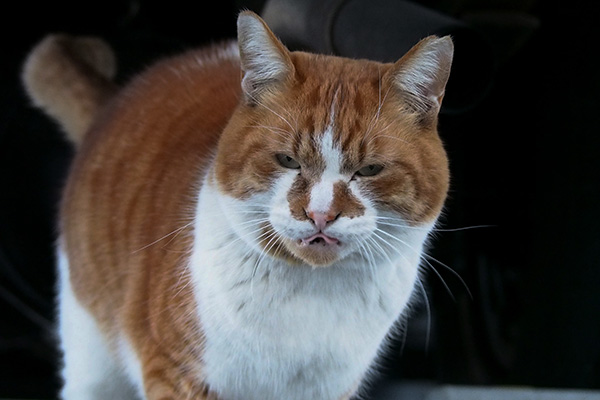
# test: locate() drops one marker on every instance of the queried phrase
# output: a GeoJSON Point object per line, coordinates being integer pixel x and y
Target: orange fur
{"type": "Point", "coordinates": [362, 87]}
{"type": "Point", "coordinates": [133, 182]}
{"type": "Point", "coordinates": [128, 206]}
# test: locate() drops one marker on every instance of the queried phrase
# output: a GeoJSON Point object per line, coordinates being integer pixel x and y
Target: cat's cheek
{"type": "Point", "coordinates": [368, 199]}
{"type": "Point", "coordinates": [280, 215]}
{"type": "Point", "coordinates": [245, 217]}
{"type": "Point", "coordinates": [353, 233]}
{"type": "Point", "coordinates": [348, 230]}
{"type": "Point", "coordinates": [286, 226]}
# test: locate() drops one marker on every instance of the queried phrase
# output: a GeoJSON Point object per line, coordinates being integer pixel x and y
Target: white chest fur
{"type": "Point", "coordinates": [280, 331]}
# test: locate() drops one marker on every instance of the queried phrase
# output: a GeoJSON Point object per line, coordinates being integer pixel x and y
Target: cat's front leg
{"type": "Point", "coordinates": [166, 379]}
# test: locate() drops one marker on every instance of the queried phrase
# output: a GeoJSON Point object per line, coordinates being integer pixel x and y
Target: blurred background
{"type": "Point", "coordinates": [520, 123]}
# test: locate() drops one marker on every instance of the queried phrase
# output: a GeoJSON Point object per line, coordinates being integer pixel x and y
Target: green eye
{"type": "Point", "coordinates": [369, 170]}
{"type": "Point", "coordinates": [287, 161]}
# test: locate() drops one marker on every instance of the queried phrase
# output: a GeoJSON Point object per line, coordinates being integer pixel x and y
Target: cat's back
{"type": "Point", "coordinates": [129, 199]}
{"type": "Point", "coordinates": [188, 98]}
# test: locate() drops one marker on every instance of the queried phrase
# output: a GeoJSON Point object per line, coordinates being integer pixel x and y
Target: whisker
{"type": "Point", "coordinates": [424, 256]}
{"type": "Point", "coordinates": [404, 226]}
{"type": "Point", "coordinates": [379, 135]}
{"type": "Point", "coordinates": [441, 279]}
{"type": "Point", "coordinates": [372, 265]}
{"type": "Point", "coordinates": [265, 250]}
{"type": "Point", "coordinates": [464, 228]}
{"type": "Point", "coordinates": [456, 274]}
{"type": "Point", "coordinates": [253, 221]}
{"type": "Point", "coordinates": [367, 256]}
{"type": "Point", "coordinates": [245, 206]}
{"type": "Point", "coordinates": [282, 133]}
{"type": "Point", "coordinates": [428, 308]}
{"type": "Point", "coordinates": [393, 248]}
{"type": "Point", "coordinates": [271, 110]}
{"type": "Point", "coordinates": [404, 333]}
{"type": "Point", "coordinates": [245, 235]}
{"type": "Point", "coordinates": [245, 209]}
{"type": "Point", "coordinates": [176, 232]}
{"type": "Point", "coordinates": [271, 128]}
{"type": "Point", "coordinates": [385, 253]}
{"type": "Point", "coordinates": [375, 118]}
{"type": "Point", "coordinates": [278, 248]}
{"type": "Point", "coordinates": [188, 280]}
{"type": "Point", "coordinates": [263, 253]}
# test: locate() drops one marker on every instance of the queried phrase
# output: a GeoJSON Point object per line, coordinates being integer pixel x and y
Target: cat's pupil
{"type": "Point", "coordinates": [287, 161]}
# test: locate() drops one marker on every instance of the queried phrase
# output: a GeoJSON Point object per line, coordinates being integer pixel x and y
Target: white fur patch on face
{"type": "Point", "coordinates": [280, 215]}
{"type": "Point", "coordinates": [321, 195]}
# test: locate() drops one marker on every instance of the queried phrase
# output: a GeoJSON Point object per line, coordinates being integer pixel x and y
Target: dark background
{"type": "Point", "coordinates": [525, 159]}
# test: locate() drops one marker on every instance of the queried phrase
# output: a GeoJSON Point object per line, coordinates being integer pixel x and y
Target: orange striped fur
{"type": "Point", "coordinates": [128, 216]}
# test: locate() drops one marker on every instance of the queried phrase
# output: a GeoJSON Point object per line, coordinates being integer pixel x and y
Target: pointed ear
{"type": "Point", "coordinates": [265, 61]}
{"type": "Point", "coordinates": [422, 73]}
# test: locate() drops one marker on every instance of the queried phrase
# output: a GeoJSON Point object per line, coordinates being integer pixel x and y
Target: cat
{"type": "Point", "coordinates": [240, 221]}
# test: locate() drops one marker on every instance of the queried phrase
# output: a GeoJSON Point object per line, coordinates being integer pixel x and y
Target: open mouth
{"type": "Point", "coordinates": [319, 239]}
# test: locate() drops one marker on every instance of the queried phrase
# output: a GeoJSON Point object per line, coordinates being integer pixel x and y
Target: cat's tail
{"type": "Point", "coordinates": [70, 78]}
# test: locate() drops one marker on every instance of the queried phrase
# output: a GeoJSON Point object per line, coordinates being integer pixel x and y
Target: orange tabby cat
{"type": "Point", "coordinates": [239, 222]}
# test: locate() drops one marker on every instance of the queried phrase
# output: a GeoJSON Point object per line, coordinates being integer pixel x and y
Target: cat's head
{"type": "Point", "coordinates": [325, 156]}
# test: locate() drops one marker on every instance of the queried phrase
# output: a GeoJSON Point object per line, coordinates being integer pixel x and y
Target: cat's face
{"type": "Point", "coordinates": [328, 158]}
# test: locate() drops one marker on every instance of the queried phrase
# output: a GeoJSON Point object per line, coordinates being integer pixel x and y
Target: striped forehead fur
{"type": "Point", "coordinates": [357, 103]}
{"type": "Point", "coordinates": [322, 194]}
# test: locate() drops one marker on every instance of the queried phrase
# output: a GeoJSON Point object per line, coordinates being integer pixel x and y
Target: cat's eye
{"type": "Point", "coordinates": [369, 170]}
{"type": "Point", "coordinates": [287, 161]}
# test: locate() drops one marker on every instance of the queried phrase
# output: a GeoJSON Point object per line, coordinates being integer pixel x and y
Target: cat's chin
{"type": "Point", "coordinates": [318, 252]}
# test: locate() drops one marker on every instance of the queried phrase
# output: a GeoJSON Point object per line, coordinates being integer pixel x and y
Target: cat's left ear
{"type": "Point", "coordinates": [265, 61]}
{"type": "Point", "coordinates": [422, 73]}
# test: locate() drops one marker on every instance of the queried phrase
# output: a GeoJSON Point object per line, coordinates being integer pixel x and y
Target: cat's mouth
{"type": "Point", "coordinates": [319, 239]}
{"type": "Point", "coordinates": [318, 250]}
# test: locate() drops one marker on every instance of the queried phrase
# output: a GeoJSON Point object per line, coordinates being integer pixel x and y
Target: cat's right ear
{"type": "Point", "coordinates": [421, 75]}
{"type": "Point", "coordinates": [265, 61]}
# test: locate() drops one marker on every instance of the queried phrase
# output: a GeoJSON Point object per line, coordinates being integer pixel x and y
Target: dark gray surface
{"type": "Point", "coordinates": [431, 391]}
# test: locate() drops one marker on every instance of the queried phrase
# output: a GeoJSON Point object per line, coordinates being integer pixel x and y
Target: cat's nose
{"type": "Point", "coordinates": [321, 219]}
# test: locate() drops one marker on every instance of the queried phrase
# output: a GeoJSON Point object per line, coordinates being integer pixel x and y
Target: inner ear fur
{"type": "Point", "coordinates": [265, 61]}
{"type": "Point", "coordinates": [420, 76]}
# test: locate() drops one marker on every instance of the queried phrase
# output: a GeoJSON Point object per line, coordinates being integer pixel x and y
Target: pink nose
{"type": "Point", "coordinates": [321, 219]}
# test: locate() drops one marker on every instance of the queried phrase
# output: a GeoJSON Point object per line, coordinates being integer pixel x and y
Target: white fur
{"type": "Point", "coordinates": [277, 331]}
{"type": "Point", "coordinates": [131, 365]}
{"type": "Point", "coordinates": [280, 331]}
{"type": "Point", "coordinates": [321, 195]}
{"type": "Point", "coordinates": [90, 370]}
{"type": "Point", "coordinates": [273, 330]}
